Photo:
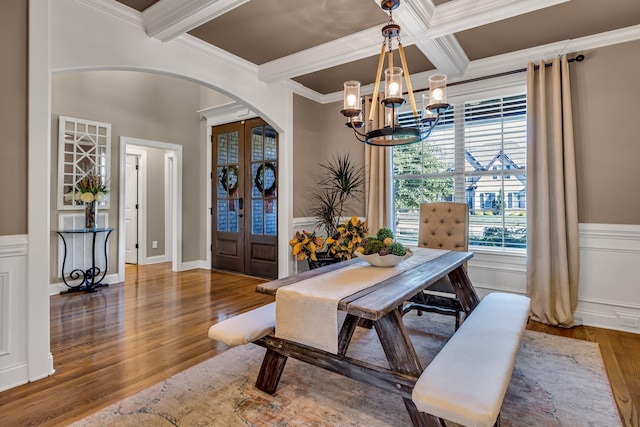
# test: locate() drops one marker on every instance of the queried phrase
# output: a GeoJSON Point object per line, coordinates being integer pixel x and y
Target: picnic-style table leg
{"type": "Point", "coordinates": [464, 289]}
{"type": "Point", "coordinates": [270, 371]}
{"type": "Point", "coordinates": [402, 358]}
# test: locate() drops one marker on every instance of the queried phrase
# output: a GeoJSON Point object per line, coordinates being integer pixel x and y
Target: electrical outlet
{"type": "Point", "coordinates": [154, 244]}
{"type": "Point", "coordinates": [629, 321]}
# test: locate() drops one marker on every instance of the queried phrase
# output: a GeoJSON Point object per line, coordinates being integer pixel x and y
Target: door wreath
{"type": "Point", "coordinates": [258, 180]}
{"type": "Point", "coordinates": [229, 179]}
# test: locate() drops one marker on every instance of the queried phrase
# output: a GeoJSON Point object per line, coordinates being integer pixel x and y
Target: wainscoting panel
{"type": "Point", "coordinates": [609, 282]}
{"type": "Point", "coordinates": [5, 311]}
{"type": "Point", "coordinates": [13, 309]}
{"type": "Point", "coordinates": [609, 294]}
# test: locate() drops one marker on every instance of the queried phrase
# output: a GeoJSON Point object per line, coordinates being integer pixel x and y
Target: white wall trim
{"type": "Point", "coordinates": [17, 245]}
{"type": "Point", "coordinates": [5, 312]}
{"type": "Point", "coordinates": [13, 376]}
{"type": "Point", "coordinates": [59, 287]}
{"type": "Point", "coordinates": [176, 234]}
{"type": "Point", "coordinates": [142, 200]}
{"type": "Point", "coordinates": [608, 293]}
{"type": "Point", "coordinates": [34, 333]}
{"type": "Point", "coordinates": [156, 259]}
{"type": "Point", "coordinates": [192, 265]}
{"type": "Point", "coordinates": [226, 113]}
{"type": "Point", "coordinates": [169, 171]}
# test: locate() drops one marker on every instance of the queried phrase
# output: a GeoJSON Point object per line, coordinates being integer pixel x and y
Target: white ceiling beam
{"type": "Point", "coordinates": [341, 51]}
{"type": "Point", "coordinates": [444, 52]}
{"type": "Point", "coordinates": [167, 19]}
{"type": "Point", "coordinates": [460, 15]}
{"type": "Point", "coordinates": [429, 27]}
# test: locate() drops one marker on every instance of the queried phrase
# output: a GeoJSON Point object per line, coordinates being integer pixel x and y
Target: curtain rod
{"type": "Point", "coordinates": [578, 58]}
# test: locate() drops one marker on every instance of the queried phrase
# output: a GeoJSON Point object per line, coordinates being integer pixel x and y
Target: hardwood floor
{"type": "Point", "coordinates": [125, 338]}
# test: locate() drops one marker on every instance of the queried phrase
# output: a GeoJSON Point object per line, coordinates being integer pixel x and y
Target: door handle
{"type": "Point", "coordinates": [241, 203]}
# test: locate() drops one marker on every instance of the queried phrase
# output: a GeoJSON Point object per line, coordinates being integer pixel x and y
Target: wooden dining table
{"type": "Point", "coordinates": [381, 306]}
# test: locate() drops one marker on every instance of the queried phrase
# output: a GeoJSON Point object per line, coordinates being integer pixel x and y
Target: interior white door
{"type": "Point", "coordinates": [131, 210]}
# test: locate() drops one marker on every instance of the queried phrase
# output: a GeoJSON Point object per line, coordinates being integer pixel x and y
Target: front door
{"type": "Point", "coordinates": [245, 214]}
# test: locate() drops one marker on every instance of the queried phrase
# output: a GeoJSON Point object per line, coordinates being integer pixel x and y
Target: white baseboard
{"type": "Point", "coordinates": [57, 288]}
{"type": "Point", "coordinates": [14, 376]}
{"type": "Point", "coordinates": [155, 259]}
{"type": "Point", "coordinates": [192, 265]}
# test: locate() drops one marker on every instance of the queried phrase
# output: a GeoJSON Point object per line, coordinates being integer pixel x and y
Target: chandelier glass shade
{"type": "Point", "coordinates": [391, 133]}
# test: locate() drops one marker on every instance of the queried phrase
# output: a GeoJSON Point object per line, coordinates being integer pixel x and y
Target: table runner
{"type": "Point", "coordinates": [307, 311]}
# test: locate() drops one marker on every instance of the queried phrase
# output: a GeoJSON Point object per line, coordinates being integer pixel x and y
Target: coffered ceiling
{"type": "Point", "coordinates": [321, 43]}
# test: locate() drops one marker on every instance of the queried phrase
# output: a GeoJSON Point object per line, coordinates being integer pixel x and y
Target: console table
{"type": "Point", "coordinates": [88, 277]}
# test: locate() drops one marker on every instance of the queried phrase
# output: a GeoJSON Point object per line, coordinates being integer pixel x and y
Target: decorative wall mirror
{"type": "Point", "coordinates": [84, 148]}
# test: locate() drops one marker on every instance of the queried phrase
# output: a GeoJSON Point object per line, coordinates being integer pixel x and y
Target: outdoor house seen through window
{"type": "Point", "coordinates": [476, 154]}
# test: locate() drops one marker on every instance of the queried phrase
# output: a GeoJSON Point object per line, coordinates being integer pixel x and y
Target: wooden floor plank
{"type": "Point", "coordinates": [113, 343]}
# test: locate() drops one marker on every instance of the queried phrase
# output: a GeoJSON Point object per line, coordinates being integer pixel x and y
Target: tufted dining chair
{"type": "Point", "coordinates": [443, 225]}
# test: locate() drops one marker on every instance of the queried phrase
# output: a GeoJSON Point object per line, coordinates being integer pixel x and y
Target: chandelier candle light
{"type": "Point", "coordinates": [391, 133]}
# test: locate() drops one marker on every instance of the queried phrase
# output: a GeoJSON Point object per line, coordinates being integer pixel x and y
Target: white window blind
{"type": "Point", "coordinates": [476, 154]}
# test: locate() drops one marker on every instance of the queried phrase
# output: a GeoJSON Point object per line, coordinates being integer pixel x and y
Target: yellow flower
{"type": "Point", "coordinates": [387, 241]}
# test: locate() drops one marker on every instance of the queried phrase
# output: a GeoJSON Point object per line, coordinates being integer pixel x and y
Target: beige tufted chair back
{"type": "Point", "coordinates": [444, 225]}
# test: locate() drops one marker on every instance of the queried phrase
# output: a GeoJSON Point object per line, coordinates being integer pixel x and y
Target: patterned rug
{"type": "Point", "coordinates": [556, 382]}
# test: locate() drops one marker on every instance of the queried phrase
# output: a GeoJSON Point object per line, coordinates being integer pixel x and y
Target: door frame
{"type": "Point", "coordinates": [176, 203]}
{"type": "Point", "coordinates": [138, 154]}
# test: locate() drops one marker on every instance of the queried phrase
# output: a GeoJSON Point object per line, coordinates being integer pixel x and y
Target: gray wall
{"type": "Point", "coordinates": [319, 134]}
{"type": "Point", "coordinates": [145, 106]}
{"type": "Point", "coordinates": [605, 90]}
{"type": "Point", "coordinates": [13, 117]}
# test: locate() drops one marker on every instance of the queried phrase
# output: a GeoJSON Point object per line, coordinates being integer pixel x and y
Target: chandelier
{"type": "Point", "coordinates": [390, 133]}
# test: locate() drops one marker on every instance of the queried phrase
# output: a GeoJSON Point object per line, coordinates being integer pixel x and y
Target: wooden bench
{"type": "Point", "coordinates": [245, 327]}
{"type": "Point", "coordinates": [467, 380]}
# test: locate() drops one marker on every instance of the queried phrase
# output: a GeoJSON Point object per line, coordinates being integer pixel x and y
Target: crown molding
{"type": "Point", "coordinates": [117, 10]}
{"type": "Point", "coordinates": [167, 19]}
{"type": "Point", "coordinates": [226, 113]}
{"type": "Point", "coordinates": [212, 51]}
{"type": "Point", "coordinates": [621, 35]}
{"type": "Point", "coordinates": [519, 59]}
{"type": "Point", "coordinates": [416, 14]}
{"type": "Point", "coordinates": [341, 51]}
{"type": "Point", "coordinates": [446, 54]}
{"type": "Point", "coordinates": [459, 15]}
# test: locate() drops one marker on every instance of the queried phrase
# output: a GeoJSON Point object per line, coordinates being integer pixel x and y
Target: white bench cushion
{"type": "Point", "coordinates": [467, 380]}
{"type": "Point", "coordinates": [246, 327]}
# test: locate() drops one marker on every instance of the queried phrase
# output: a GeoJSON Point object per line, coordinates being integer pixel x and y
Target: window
{"type": "Point", "coordinates": [476, 154]}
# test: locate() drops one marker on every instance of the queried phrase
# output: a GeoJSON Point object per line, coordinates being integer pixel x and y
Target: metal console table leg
{"type": "Point", "coordinates": [88, 282]}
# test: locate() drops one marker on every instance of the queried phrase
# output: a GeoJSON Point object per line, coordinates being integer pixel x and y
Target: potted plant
{"type": "Point", "coordinates": [336, 190]}
{"type": "Point", "coordinates": [305, 245]}
{"type": "Point", "coordinates": [341, 185]}
{"type": "Point", "coordinates": [347, 239]}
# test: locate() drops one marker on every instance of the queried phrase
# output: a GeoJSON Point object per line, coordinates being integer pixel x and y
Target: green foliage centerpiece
{"type": "Point", "coordinates": [381, 250]}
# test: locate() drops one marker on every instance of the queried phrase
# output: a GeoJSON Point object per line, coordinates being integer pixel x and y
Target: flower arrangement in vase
{"type": "Point", "coordinates": [90, 190]}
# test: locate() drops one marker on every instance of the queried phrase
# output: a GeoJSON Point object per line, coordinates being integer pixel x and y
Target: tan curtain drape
{"type": "Point", "coordinates": [378, 176]}
{"type": "Point", "coordinates": [552, 208]}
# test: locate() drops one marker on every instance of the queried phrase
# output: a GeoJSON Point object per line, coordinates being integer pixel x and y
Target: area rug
{"type": "Point", "coordinates": [556, 382]}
